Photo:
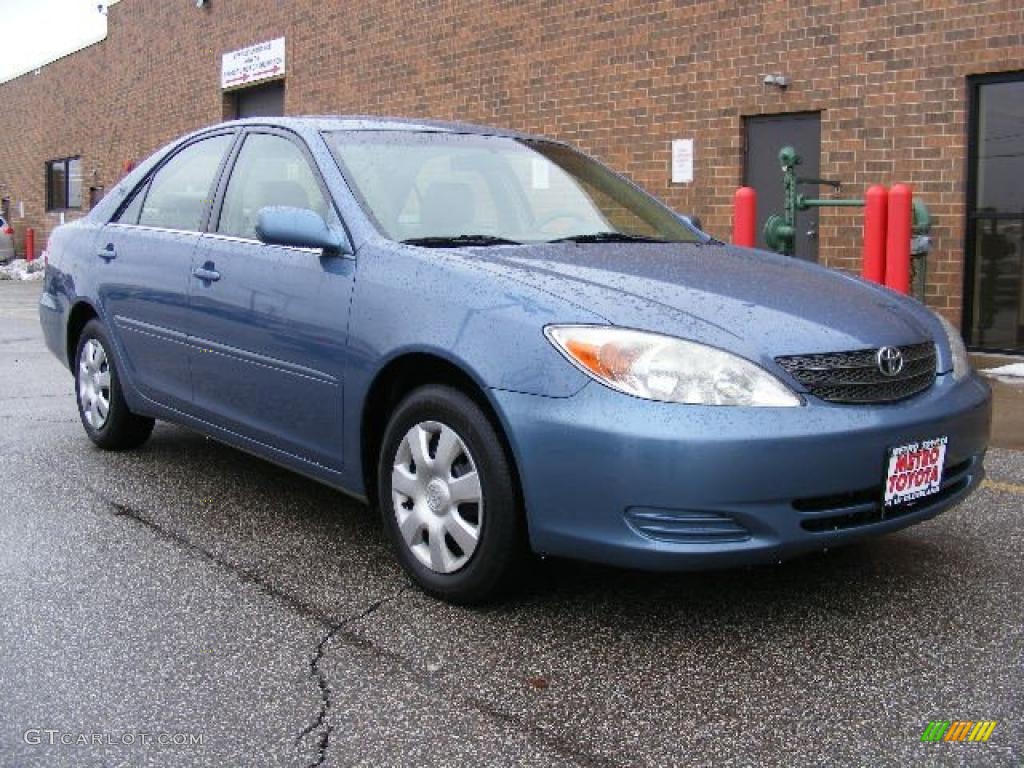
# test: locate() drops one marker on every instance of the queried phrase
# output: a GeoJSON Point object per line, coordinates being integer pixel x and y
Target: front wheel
{"type": "Point", "coordinates": [448, 496]}
{"type": "Point", "coordinates": [101, 405]}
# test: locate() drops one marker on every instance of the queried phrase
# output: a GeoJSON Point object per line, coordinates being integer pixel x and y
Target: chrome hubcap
{"type": "Point", "coordinates": [94, 384]}
{"type": "Point", "coordinates": [437, 497]}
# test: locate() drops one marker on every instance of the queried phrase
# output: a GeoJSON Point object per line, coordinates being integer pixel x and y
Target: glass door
{"type": "Point", "coordinates": [994, 308]}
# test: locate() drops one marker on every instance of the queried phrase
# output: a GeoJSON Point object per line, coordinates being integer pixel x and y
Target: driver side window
{"type": "Point", "coordinates": [270, 170]}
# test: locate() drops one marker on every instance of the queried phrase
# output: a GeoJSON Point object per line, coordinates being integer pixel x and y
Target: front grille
{"type": "Point", "coordinates": [851, 510]}
{"type": "Point", "coordinates": [686, 527]}
{"type": "Point", "coordinates": [854, 377]}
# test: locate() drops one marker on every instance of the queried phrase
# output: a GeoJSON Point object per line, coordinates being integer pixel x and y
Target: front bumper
{"type": "Point", "coordinates": [614, 479]}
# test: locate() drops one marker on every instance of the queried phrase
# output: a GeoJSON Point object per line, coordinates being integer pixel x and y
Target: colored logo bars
{"type": "Point", "coordinates": [958, 730]}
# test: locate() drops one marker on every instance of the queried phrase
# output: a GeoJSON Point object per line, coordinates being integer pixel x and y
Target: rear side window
{"type": "Point", "coordinates": [270, 170]}
{"type": "Point", "coordinates": [179, 192]}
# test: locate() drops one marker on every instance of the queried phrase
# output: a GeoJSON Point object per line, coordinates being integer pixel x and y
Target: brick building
{"type": "Point", "coordinates": [929, 92]}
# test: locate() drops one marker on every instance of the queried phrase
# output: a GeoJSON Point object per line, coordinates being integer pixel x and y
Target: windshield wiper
{"type": "Point", "coordinates": [608, 237]}
{"type": "Point", "coordinates": [443, 241]}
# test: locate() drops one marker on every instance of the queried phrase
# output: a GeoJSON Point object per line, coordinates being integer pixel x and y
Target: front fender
{"type": "Point", "coordinates": [412, 299]}
{"type": "Point", "coordinates": [419, 301]}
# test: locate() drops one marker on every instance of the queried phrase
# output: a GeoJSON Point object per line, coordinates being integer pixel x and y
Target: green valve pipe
{"type": "Point", "coordinates": [922, 217]}
{"type": "Point", "coordinates": [780, 231]}
{"type": "Point", "coordinates": [803, 203]}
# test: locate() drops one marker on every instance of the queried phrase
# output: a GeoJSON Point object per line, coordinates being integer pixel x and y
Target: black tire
{"type": "Point", "coordinates": [121, 430]}
{"type": "Point", "coordinates": [500, 547]}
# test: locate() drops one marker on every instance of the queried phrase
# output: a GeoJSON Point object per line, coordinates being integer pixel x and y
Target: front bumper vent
{"type": "Point", "coordinates": [851, 510]}
{"type": "Point", "coordinates": [685, 527]}
{"type": "Point", "coordinates": [855, 377]}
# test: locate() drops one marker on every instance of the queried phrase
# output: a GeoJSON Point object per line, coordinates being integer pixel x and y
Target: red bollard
{"type": "Point", "coordinates": [744, 217]}
{"type": "Point", "coordinates": [897, 243]}
{"type": "Point", "coordinates": [876, 202]}
{"type": "Point", "coordinates": [30, 244]}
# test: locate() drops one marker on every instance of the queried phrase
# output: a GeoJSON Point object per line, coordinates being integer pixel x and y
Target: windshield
{"type": "Point", "coordinates": [445, 188]}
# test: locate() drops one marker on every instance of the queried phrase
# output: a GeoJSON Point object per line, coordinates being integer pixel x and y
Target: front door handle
{"type": "Point", "coordinates": [206, 275]}
{"type": "Point", "coordinates": [107, 253]}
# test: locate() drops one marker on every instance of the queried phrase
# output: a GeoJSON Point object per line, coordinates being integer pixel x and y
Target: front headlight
{"type": "Point", "coordinates": [961, 362]}
{"type": "Point", "coordinates": [671, 370]}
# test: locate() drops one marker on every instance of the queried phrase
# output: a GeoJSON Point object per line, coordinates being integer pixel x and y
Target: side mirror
{"type": "Point", "coordinates": [298, 228]}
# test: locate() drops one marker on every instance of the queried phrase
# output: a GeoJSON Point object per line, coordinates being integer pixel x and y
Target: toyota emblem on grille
{"type": "Point", "coordinates": [890, 361]}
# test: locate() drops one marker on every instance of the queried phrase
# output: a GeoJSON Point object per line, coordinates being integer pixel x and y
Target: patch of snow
{"type": "Point", "coordinates": [19, 269]}
{"type": "Point", "coordinates": [1013, 373]}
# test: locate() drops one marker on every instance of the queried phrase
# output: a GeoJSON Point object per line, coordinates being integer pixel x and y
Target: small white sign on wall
{"type": "Point", "coordinates": [682, 161]}
{"type": "Point", "coordinates": [263, 61]}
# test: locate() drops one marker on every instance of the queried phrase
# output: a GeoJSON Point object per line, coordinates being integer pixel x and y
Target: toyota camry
{"type": "Point", "coordinates": [505, 347]}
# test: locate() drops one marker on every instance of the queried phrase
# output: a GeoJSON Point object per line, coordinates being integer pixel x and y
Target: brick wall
{"type": "Point", "coordinates": [618, 78]}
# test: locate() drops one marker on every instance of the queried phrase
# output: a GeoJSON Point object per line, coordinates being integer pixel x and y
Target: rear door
{"type": "Point", "coordinates": [143, 264]}
{"type": "Point", "coordinates": [269, 322]}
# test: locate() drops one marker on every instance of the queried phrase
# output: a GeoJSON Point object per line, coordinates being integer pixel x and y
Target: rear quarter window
{"type": "Point", "coordinates": [130, 213]}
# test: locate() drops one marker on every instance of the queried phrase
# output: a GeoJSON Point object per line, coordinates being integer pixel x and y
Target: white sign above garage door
{"type": "Point", "coordinates": [263, 61]}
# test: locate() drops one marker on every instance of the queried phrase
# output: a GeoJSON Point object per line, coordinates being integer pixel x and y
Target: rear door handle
{"type": "Point", "coordinates": [207, 275]}
{"type": "Point", "coordinates": [107, 253]}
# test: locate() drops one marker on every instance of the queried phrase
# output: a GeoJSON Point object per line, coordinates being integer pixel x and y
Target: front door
{"type": "Point", "coordinates": [995, 214]}
{"type": "Point", "coordinates": [269, 322]}
{"type": "Point", "coordinates": [765, 136]}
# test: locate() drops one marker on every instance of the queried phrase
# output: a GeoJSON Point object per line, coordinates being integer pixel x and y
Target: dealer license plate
{"type": "Point", "coordinates": [914, 471]}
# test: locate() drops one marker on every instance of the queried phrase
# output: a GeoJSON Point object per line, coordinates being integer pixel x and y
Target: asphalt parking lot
{"type": "Point", "coordinates": [190, 590]}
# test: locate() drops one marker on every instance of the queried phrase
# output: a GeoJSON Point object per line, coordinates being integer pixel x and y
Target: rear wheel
{"type": "Point", "coordinates": [448, 496]}
{"type": "Point", "coordinates": [101, 405]}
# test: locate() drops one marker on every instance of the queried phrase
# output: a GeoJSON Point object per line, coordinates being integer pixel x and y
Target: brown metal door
{"type": "Point", "coordinates": [765, 135]}
{"type": "Point", "coordinates": [260, 101]}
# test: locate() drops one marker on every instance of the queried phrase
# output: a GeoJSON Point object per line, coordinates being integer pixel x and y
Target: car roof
{"type": "Point", "coordinates": [377, 123]}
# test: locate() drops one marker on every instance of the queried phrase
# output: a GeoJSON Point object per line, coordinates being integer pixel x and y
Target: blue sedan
{"type": "Point", "coordinates": [505, 347]}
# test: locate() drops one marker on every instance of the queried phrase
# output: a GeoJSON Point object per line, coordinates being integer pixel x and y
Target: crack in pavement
{"type": "Point", "coordinates": [334, 626]}
{"type": "Point", "coordinates": [338, 628]}
{"type": "Point", "coordinates": [321, 679]}
{"type": "Point", "coordinates": [244, 574]}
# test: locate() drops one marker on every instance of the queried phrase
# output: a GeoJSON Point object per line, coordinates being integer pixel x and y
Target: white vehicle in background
{"type": "Point", "coordinates": [6, 241]}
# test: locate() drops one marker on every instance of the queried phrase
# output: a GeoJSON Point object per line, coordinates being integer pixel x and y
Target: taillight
{"type": "Point", "coordinates": [8, 230]}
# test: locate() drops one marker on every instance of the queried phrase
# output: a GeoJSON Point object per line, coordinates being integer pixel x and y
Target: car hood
{"type": "Point", "coordinates": [751, 302]}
